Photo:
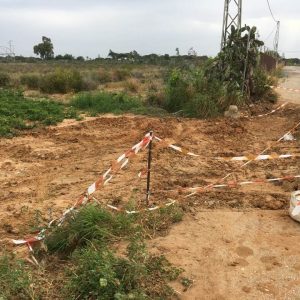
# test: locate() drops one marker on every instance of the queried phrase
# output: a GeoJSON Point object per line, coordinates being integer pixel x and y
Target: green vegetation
{"type": "Point", "coordinates": [99, 272]}
{"type": "Point", "coordinates": [104, 102]}
{"type": "Point", "coordinates": [44, 49]}
{"type": "Point", "coordinates": [18, 113]}
{"type": "Point", "coordinates": [15, 282]}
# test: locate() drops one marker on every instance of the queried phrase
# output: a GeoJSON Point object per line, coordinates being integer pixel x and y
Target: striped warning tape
{"type": "Point", "coordinates": [133, 212]}
{"type": "Point", "coordinates": [269, 113]}
{"type": "Point", "coordinates": [119, 164]}
{"type": "Point", "coordinates": [231, 184]}
{"type": "Point", "coordinates": [177, 148]}
{"type": "Point", "coordinates": [286, 89]}
{"type": "Point", "coordinates": [249, 157]}
{"type": "Point", "coordinates": [259, 157]}
{"type": "Point", "coordinates": [235, 184]}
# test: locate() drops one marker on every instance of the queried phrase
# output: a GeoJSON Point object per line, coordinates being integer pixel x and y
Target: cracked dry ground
{"type": "Point", "coordinates": [233, 243]}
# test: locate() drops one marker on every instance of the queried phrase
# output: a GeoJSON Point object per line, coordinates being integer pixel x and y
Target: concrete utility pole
{"type": "Point", "coordinates": [276, 40]}
{"type": "Point", "coordinates": [232, 16]}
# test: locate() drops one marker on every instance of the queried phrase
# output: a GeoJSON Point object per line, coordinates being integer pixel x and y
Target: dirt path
{"type": "Point", "coordinates": [291, 80]}
{"type": "Point", "coordinates": [229, 243]}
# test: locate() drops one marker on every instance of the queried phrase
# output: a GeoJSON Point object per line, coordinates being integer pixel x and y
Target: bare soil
{"type": "Point", "coordinates": [233, 243]}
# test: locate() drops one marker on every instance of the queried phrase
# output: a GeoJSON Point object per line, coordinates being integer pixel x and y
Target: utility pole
{"type": "Point", "coordinates": [276, 40]}
{"type": "Point", "coordinates": [232, 16]}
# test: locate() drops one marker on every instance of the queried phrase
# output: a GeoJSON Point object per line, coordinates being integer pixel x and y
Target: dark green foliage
{"type": "Point", "coordinates": [241, 49]}
{"type": "Point", "coordinates": [17, 112]}
{"type": "Point", "coordinates": [62, 81]}
{"type": "Point", "coordinates": [44, 49]}
{"type": "Point", "coordinates": [30, 80]}
{"type": "Point", "coordinates": [91, 223]}
{"type": "Point", "coordinates": [106, 103]}
{"type": "Point", "coordinates": [14, 279]}
{"type": "Point", "coordinates": [4, 79]}
{"type": "Point", "coordinates": [100, 274]}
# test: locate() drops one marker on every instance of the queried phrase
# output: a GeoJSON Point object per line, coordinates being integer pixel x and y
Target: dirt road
{"type": "Point", "coordinates": [291, 80]}
{"type": "Point", "coordinates": [233, 243]}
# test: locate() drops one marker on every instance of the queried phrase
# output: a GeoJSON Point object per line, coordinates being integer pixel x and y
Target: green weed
{"type": "Point", "coordinates": [91, 223]}
{"type": "Point", "coordinates": [15, 282]}
{"type": "Point", "coordinates": [104, 102]}
{"type": "Point", "coordinates": [18, 113]}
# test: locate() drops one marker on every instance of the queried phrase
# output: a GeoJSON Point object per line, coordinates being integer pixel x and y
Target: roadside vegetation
{"type": "Point", "coordinates": [87, 250]}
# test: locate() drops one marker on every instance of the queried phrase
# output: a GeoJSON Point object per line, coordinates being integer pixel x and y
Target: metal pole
{"type": "Point", "coordinates": [149, 169]}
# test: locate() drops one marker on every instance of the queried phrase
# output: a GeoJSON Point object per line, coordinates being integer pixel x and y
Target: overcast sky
{"type": "Point", "coordinates": [92, 27]}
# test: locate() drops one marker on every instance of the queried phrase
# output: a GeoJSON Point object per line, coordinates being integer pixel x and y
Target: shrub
{"type": "Point", "coordinates": [62, 81]}
{"type": "Point", "coordinates": [177, 91]}
{"type": "Point", "coordinates": [261, 84]}
{"type": "Point", "coordinates": [156, 99]}
{"type": "Point", "coordinates": [132, 85]}
{"type": "Point", "coordinates": [105, 103]}
{"type": "Point", "coordinates": [120, 74]}
{"type": "Point", "coordinates": [4, 79]}
{"type": "Point", "coordinates": [31, 81]}
{"type": "Point", "coordinates": [100, 274]}
{"type": "Point", "coordinates": [103, 76]}
{"type": "Point", "coordinates": [91, 223]}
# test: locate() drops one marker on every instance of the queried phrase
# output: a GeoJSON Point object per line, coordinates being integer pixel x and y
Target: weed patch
{"type": "Point", "coordinates": [103, 102]}
{"type": "Point", "coordinates": [18, 113]}
{"type": "Point", "coordinates": [15, 282]}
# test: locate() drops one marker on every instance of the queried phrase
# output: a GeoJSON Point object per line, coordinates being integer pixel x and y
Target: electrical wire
{"type": "Point", "coordinates": [266, 39]}
{"type": "Point", "coordinates": [271, 11]}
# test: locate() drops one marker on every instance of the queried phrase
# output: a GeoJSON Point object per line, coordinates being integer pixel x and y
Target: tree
{"type": "Point", "coordinates": [44, 49]}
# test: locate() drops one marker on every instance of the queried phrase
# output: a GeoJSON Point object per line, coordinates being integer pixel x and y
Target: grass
{"type": "Point", "coordinates": [15, 282]}
{"type": "Point", "coordinates": [103, 102]}
{"type": "Point", "coordinates": [90, 239]}
{"type": "Point", "coordinates": [18, 113]}
{"type": "Point", "coordinates": [97, 271]}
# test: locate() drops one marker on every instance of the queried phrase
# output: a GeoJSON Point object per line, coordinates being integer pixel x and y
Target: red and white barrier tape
{"type": "Point", "coordinates": [269, 113]}
{"type": "Point", "coordinates": [235, 184]}
{"type": "Point", "coordinates": [133, 212]}
{"type": "Point", "coordinates": [120, 163]}
{"type": "Point", "coordinates": [286, 89]}
{"type": "Point", "coordinates": [259, 157]}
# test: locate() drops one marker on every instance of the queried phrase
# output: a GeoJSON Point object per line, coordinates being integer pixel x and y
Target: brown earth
{"type": "Point", "coordinates": [233, 243]}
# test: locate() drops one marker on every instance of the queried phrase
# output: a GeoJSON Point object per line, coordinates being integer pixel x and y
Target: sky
{"type": "Point", "coordinates": [92, 27]}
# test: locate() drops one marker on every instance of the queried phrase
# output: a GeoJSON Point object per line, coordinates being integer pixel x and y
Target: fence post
{"type": "Point", "coordinates": [149, 169]}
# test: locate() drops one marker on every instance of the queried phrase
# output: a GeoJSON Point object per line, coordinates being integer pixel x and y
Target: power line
{"type": "Point", "coordinates": [271, 11]}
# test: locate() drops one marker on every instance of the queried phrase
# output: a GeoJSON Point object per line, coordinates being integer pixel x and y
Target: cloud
{"type": "Point", "coordinates": [93, 27]}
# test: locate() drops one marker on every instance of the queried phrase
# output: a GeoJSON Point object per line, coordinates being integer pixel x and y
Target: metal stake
{"type": "Point", "coordinates": [149, 169]}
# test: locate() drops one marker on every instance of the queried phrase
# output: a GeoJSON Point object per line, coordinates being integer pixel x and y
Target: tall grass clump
{"type": "Point", "coordinates": [91, 223]}
{"type": "Point", "coordinates": [15, 282]}
{"type": "Point", "coordinates": [31, 81]}
{"type": "Point", "coordinates": [62, 81]}
{"type": "Point", "coordinates": [103, 102]}
{"type": "Point", "coordinates": [99, 273]}
{"type": "Point", "coordinates": [4, 79]}
{"type": "Point", "coordinates": [96, 269]}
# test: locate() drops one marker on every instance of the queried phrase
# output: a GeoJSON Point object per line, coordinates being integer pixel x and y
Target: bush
{"type": "Point", "coordinates": [62, 81]}
{"type": "Point", "coordinates": [100, 274]}
{"type": "Point", "coordinates": [105, 103]}
{"type": "Point", "coordinates": [103, 76]}
{"type": "Point", "coordinates": [132, 85]}
{"type": "Point", "coordinates": [261, 84]}
{"type": "Point", "coordinates": [120, 74]}
{"type": "Point", "coordinates": [31, 81]}
{"type": "Point", "coordinates": [91, 223]}
{"type": "Point", "coordinates": [4, 79]}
